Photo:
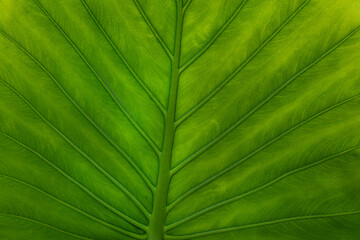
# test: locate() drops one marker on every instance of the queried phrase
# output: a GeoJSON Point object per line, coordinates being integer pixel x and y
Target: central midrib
{"type": "Point", "coordinates": [158, 216]}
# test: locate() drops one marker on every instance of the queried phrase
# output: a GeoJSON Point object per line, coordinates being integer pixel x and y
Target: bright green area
{"type": "Point", "coordinates": [180, 119]}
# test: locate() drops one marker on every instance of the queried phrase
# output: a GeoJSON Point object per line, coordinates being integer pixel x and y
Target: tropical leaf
{"type": "Point", "coordinates": [179, 119]}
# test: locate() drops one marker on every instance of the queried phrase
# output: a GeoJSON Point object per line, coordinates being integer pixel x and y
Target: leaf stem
{"type": "Point", "coordinates": [157, 219]}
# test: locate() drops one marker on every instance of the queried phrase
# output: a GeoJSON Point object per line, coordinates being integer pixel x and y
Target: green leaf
{"type": "Point", "coordinates": [179, 119]}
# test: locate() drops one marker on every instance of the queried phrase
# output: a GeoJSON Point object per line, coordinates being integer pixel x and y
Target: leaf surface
{"type": "Point", "coordinates": [179, 119]}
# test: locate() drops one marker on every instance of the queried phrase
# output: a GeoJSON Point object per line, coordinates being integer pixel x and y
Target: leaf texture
{"type": "Point", "coordinates": [179, 119]}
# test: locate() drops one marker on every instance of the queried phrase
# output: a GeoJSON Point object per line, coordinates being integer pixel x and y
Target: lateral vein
{"type": "Point", "coordinates": [257, 107]}
{"type": "Point", "coordinates": [67, 95]}
{"type": "Point", "coordinates": [153, 30]}
{"type": "Point", "coordinates": [123, 59]}
{"type": "Point", "coordinates": [213, 39]}
{"type": "Point", "coordinates": [96, 219]}
{"type": "Point", "coordinates": [46, 225]}
{"type": "Point", "coordinates": [255, 225]}
{"type": "Point", "coordinates": [74, 181]}
{"type": "Point", "coordinates": [239, 68]}
{"type": "Point", "coordinates": [254, 152]}
{"type": "Point", "coordinates": [248, 193]}
{"type": "Point", "coordinates": [103, 83]}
